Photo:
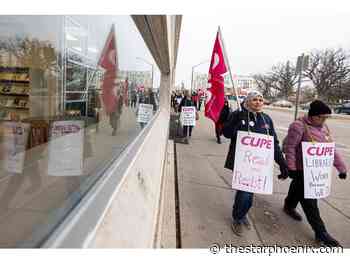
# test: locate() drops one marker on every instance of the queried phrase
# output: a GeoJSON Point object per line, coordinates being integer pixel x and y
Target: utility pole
{"type": "Point", "coordinates": [302, 64]}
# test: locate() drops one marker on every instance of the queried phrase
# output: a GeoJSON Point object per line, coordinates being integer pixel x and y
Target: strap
{"type": "Point", "coordinates": [308, 133]}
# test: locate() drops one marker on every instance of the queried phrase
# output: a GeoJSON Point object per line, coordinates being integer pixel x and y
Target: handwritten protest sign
{"type": "Point", "coordinates": [145, 113]}
{"type": "Point", "coordinates": [14, 145]}
{"type": "Point", "coordinates": [188, 116]}
{"type": "Point", "coordinates": [317, 162]}
{"type": "Point", "coordinates": [253, 167]}
{"type": "Point", "coordinates": [66, 148]}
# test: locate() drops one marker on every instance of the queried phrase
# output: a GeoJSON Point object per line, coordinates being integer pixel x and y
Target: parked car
{"type": "Point", "coordinates": [343, 109]}
{"type": "Point", "coordinates": [283, 103]}
{"type": "Point", "coordinates": [305, 106]}
{"type": "Point", "coordinates": [267, 102]}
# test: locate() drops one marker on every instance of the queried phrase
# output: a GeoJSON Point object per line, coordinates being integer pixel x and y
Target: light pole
{"type": "Point", "coordinates": [205, 61]}
{"type": "Point", "coordinates": [150, 65]}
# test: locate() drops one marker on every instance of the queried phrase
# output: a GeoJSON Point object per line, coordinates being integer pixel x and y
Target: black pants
{"type": "Point", "coordinates": [184, 130]}
{"type": "Point", "coordinates": [310, 207]}
{"type": "Point", "coordinates": [133, 103]}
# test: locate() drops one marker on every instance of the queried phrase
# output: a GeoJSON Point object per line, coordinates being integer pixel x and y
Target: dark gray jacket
{"type": "Point", "coordinates": [239, 121]}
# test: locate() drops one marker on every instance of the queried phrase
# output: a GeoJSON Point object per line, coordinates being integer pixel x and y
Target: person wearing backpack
{"type": "Point", "coordinates": [311, 127]}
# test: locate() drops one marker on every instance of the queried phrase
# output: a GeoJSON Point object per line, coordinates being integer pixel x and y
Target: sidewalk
{"type": "Point", "coordinates": [206, 198]}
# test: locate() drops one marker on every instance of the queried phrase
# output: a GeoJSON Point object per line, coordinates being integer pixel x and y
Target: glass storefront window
{"type": "Point", "coordinates": [74, 92]}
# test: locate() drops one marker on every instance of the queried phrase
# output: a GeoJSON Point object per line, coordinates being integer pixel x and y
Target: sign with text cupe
{"type": "Point", "coordinates": [317, 163]}
{"type": "Point", "coordinates": [188, 116]}
{"type": "Point", "coordinates": [253, 169]}
{"type": "Point", "coordinates": [145, 113]}
{"type": "Point", "coordinates": [66, 148]}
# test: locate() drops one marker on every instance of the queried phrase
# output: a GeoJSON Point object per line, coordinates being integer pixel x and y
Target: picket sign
{"type": "Point", "coordinates": [66, 148]}
{"type": "Point", "coordinates": [188, 116]}
{"type": "Point", "coordinates": [253, 169]}
{"type": "Point", "coordinates": [14, 145]}
{"type": "Point", "coordinates": [145, 113]}
{"type": "Point", "coordinates": [318, 161]}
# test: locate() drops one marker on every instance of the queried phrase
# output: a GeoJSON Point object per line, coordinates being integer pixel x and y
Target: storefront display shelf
{"type": "Point", "coordinates": [14, 94]}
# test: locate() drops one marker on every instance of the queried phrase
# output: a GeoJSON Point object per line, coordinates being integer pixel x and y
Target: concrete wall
{"type": "Point", "coordinates": [131, 220]}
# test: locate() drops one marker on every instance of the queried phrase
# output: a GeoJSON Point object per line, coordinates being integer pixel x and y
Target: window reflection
{"type": "Point", "coordinates": [69, 104]}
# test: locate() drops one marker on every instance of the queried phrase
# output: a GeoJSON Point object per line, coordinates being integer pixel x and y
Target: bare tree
{"type": "Point", "coordinates": [329, 72]}
{"type": "Point", "coordinates": [283, 78]}
{"type": "Point", "coordinates": [264, 84]}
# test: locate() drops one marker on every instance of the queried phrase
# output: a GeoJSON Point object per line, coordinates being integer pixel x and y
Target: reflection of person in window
{"type": "Point", "coordinates": [114, 117]}
{"type": "Point", "coordinates": [146, 97]}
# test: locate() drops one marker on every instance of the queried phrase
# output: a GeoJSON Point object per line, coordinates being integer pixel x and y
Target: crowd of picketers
{"type": "Point", "coordinates": [310, 128]}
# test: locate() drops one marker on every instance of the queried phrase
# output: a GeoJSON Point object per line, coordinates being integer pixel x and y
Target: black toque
{"type": "Point", "coordinates": [318, 107]}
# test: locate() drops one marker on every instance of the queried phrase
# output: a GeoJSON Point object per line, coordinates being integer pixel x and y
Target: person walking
{"type": "Point", "coordinates": [311, 127]}
{"type": "Point", "coordinates": [146, 97]}
{"type": "Point", "coordinates": [186, 102]}
{"type": "Point", "coordinates": [114, 116]}
{"type": "Point", "coordinates": [226, 110]}
{"type": "Point", "coordinates": [249, 118]}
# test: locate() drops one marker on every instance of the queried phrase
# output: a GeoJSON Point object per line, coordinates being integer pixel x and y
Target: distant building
{"type": "Point", "coordinates": [138, 77]}
{"type": "Point", "coordinates": [241, 82]}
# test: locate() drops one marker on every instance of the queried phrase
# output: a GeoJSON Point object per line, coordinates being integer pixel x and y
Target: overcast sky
{"type": "Point", "coordinates": [257, 38]}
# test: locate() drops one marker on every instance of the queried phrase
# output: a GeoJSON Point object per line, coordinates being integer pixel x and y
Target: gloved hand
{"type": "Point", "coordinates": [342, 175]}
{"type": "Point", "coordinates": [284, 173]}
{"type": "Point", "coordinates": [282, 176]}
{"type": "Point", "coordinates": [293, 174]}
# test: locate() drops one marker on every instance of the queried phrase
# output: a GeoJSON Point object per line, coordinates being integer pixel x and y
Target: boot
{"type": "Point", "coordinates": [327, 240]}
{"type": "Point", "coordinates": [292, 213]}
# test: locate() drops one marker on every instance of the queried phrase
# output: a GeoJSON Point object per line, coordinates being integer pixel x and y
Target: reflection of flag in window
{"type": "Point", "coordinates": [109, 62]}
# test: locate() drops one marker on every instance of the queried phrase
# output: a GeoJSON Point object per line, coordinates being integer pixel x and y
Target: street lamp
{"type": "Point", "coordinates": [148, 64]}
{"type": "Point", "coordinates": [205, 61]}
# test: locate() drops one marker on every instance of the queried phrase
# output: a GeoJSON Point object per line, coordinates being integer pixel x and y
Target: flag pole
{"type": "Point", "coordinates": [229, 68]}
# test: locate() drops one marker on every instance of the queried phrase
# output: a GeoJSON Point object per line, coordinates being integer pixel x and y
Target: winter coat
{"type": "Point", "coordinates": [297, 134]}
{"type": "Point", "coordinates": [239, 121]}
{"type": "Point", "coordinates": [185, 102]}
{"type": "Point", "coordinates": [224, 114]}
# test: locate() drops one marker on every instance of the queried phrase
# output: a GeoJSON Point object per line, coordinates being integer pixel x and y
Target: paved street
{"type": "Point", "coordinates": [205, 195]}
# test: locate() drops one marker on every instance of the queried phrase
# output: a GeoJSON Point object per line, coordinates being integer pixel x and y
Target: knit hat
{"type": "Point", "coordinates": [254, 93]}
{"type": "Point", "coordinates": [318, 107]}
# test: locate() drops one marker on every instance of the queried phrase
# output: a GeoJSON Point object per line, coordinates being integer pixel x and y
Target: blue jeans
{"type": "Point", "coordinates": [243, 202]}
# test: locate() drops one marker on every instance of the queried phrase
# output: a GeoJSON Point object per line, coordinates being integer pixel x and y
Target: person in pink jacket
{"type": "Point", "coordinates": [310, 126]}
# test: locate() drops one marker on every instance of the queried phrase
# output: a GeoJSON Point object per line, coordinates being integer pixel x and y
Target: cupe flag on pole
{"type": "Point", "coordinates": [216, 92]}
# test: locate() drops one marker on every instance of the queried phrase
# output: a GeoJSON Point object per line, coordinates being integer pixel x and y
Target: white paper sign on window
{"type": "Point", "coordinates": [253, 167]}
{"type": "Point", "coordinates": [66, 147]}
{"type": "Point", "coordinates": [188, 116]}
{"type": "Point", "coordinates": [318, 163]}
{"type": "Point", "coordinates": [14, 145]}
{"type": "Point", "coordinates": [145, 113]}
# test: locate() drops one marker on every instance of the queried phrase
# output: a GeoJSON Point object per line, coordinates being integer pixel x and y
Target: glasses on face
{"type": "Point", "coordinates": [258, 100]}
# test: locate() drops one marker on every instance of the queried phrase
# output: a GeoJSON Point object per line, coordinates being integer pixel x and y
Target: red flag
{"type": "Point", "coordinates": [216, 92]}
{"type": "Point", "coordinates": [108, 61]}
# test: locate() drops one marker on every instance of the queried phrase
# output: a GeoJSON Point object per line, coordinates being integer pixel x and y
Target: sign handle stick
{"type": "Point", "coordinates": [229, 68]}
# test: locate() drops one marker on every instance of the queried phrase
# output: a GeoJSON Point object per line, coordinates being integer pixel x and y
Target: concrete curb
{"type": "Point", "coordinates": [166, 232]}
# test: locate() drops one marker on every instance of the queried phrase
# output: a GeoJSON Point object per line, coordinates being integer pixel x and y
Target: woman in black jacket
{"type": "Point", "coordinates": [224, 114]}
{"type": "Point", "coordinates": [249, 117]}
{"type": "Point", "coordinates": [186, 102]}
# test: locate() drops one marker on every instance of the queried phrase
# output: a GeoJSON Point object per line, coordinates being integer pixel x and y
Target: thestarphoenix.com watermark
{"type": "Point", "coordinates": [275, 249]}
